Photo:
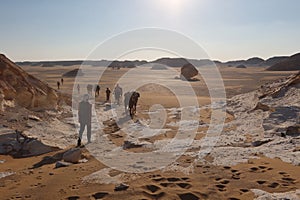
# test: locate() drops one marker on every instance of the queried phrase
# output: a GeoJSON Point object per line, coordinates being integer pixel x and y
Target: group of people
{"type": "Point", "coordinates": [118, 92]}
{"type": "Point", "coordinates": [85, 108]}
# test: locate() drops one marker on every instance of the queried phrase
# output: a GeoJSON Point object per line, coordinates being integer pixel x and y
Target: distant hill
{"type": "Point", "coordinates": [100, 63]}
{"type": "Point", "coordinates": [180, 62]}
{"type": "Point", "coordinates": [255, 61]}
{"type": "Point", "coordinates": [126, 63]}
{"type": "Point", "coordinates": [170, 62]}
{"type": "Point", "coordinates": [273, 60]}
{"type": "Point", "coordinates": [289, 64]}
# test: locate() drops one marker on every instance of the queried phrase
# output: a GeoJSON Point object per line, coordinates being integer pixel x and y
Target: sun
{"type": "Point", "coordinates": [173, 7]}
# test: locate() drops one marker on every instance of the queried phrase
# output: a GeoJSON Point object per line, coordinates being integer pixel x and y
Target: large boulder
{"type": "Point", "coordinates": [23, 88]}
{"type": "Point", "coordinates": [188, 71]}
{"type": "Point", "coordinates": [72, 155]}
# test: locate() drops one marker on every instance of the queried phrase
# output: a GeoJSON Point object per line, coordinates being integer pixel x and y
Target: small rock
{"type": "Point", "coordinates": [129, 145]}
{"type": "Point", "coordinates": [51, 173]}
{"type": "Point", "coordinates": [35, 118]}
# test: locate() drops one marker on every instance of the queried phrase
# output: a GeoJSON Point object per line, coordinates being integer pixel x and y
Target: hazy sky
{"type": "Point", "coordinates": [70, 29]}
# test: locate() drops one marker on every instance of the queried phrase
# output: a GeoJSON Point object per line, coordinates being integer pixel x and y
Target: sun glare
{"type": "Point", "coordinates": [173, 7]}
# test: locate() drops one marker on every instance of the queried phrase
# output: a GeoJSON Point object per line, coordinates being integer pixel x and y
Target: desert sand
{"type": "Point", "coordinates": [269, 170]}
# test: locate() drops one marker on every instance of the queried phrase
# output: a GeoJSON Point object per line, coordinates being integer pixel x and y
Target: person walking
{"type": "Point", "coordinates": [89, 89]}
{"type": "Point", "coordinates": [127, 96]}
{"type": "Point", "coordinates": [97, 91]}
{"type": "Point", "coordinates": [78, 88]}
{"type": "Point", "coordinates": [58, 85]}
{"type": "Point", "coordinates": [107, 94]}
{"type": "Point", "coordinates": [62, 81]}
{"type": "Point", "coordinates": [85, 118]}
{"type": "Point", "coordinates": [118, 92]}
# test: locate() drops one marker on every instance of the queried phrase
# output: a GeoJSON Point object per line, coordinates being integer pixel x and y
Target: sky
{"type": "Point", "coordinates": [71, 29]}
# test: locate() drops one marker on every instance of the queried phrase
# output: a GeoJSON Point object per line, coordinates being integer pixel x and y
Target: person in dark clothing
{"type": "Point", "coordinates": [85, 118]}
{"type": "Point", "coordinates": [132, 103]}
{"type": "Point", "coordinates": [62, 81]}
{"type": "Point", "coordinates": [58, 85]}
{"type": "Point", "coordinates": [107, 94]}
{"type": "Point", "coordinates": [97, 91]}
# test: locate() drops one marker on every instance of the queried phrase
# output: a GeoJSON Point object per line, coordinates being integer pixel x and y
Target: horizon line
{"type": "Point", "coordinates": [105, 59]}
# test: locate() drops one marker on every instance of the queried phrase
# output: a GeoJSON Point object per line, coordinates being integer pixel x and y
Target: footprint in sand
{"type": "Point", "coordinates": [168, 184]}
{"type": "Point", "coordinates": [159, 179]}
{"type": "Point", "coordinates": [225, 181]}
{"type": "Point", "coordinates": [253, 169]}
{"type": "Point", "coordinates": [188, 196]}
{"type": "Point", "coordinates": [173, 179]}
{"type": "Point", "coordinates": [99, 195]}
{"type": "Point", "coordinates": [244, 190]}
{"type": "Point", "coordinates": [218, 178]}
{"type": "Point", "coordinates": [235, 174]}
{"type": "Point", "coordinates": [260, 182]}
{"type": "Point", "coordinates": [282, 173]}
{"type": "Point", "coordinates": [221, 187]}
{"type": "Point", "coordinates": [273, 185]}
{"type": "Point", "coordinates": [262, 167]}
{"type": "Point", "coordinates": [152, 188]}
{"type": "Point", "coordinates": [222, 184]}
{"type": "Point", "coordinates": [288, 179]}
{"type": "Point", "coordinates": [154, 196]}
{"type": "Point", "coordinates": [184, 185]}
{"type": "Point", "coordinates": [74, 187]}
{"type": "Point", "coordinates": [73, 198]}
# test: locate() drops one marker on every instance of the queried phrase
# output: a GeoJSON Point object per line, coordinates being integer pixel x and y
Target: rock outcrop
{"type": "Point", "coordinates": [266, 122]}
{"type": "Point", "coordinates": [24, 89]}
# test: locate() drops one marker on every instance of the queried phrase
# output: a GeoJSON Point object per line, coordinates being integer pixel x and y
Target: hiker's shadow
{"type": "Point", "coordinates": [49, 160]}
{"type": "Point", "coordinates": [123, 120]}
